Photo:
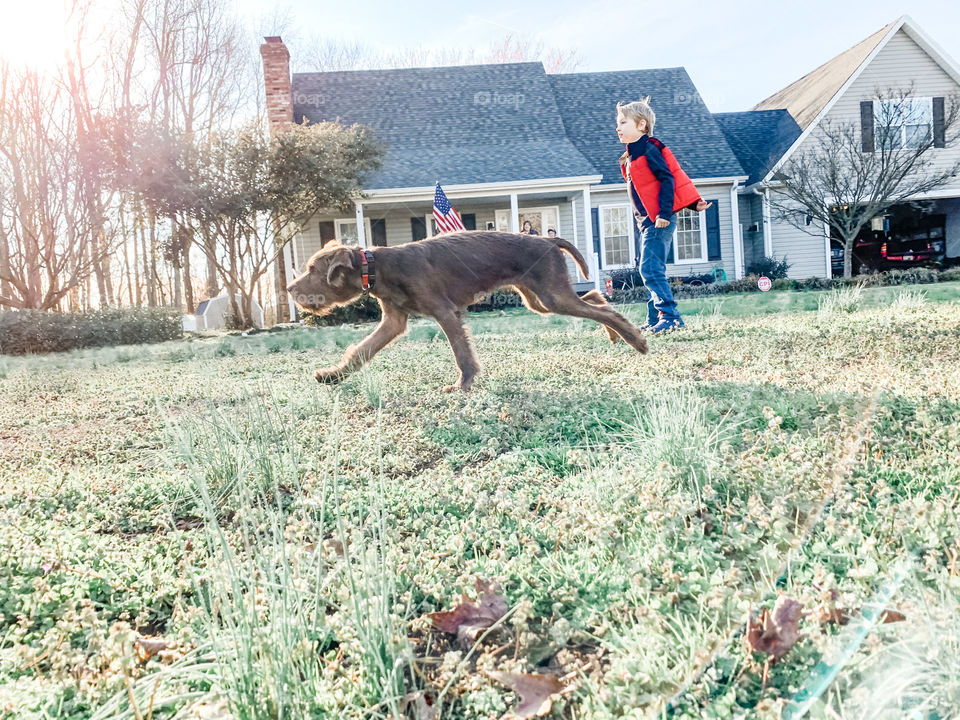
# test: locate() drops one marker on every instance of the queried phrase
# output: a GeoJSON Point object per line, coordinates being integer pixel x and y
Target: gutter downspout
{"type": "Point", "coordinates": [737, 235]}
{"type": "Point", "coordinates": [767, 230]}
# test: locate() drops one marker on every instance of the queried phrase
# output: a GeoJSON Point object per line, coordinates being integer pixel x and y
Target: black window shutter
{"type": "Point", "coordinates": [866, 125]}
{"type": "Point", "coordinates": [469, 221]}
{"type": "Point", "coordinates": [378, 229]}
{"type": "Point", "coordinates": [595, 221]}
{"type": "Point", "coordinates": [713, 231]}
{"type": "Point", "coordinates": [418, 228]}
{"type": "Point", "coordinates": [327, 232]}
{"type": "Point", "coordinates": [939, 131]}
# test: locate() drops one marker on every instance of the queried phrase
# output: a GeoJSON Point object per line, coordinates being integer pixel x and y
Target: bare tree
{"type": "Point", "coordinates": [850, 173]}
{"type": "Point", "coordinates": [320, 54]}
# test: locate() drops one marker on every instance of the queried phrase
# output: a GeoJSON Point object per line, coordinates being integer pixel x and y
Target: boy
{"type": "Point", "coordinates": [658, 189]}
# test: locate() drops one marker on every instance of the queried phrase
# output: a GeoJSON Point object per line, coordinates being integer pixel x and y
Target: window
{"type": "Point", "coordinates": [541, 219]}
{"type": "Point", "coordinates": [615, 234]}
{"type": "Point", "coordinates": [903, 122]}
{"type": "Point", "coordinates": [690, 237]}
{"type": "Point", "coordinates": [347, 231]}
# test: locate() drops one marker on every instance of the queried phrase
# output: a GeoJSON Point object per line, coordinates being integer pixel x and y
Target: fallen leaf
{"type": "Point", "coordinates": [534, 691]}
{"type": "Point", "coordinates": [423, 705]}
{"type": "Point", "coordinates": [469, 618]}
{"type": "Point", "coordinates": [776, 632]}
{"type": "Point", "coordinates": [147, 647]}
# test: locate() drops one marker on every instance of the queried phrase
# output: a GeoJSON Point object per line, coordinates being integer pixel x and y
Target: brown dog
{"type": "Point", "coordinates": [440, 277]}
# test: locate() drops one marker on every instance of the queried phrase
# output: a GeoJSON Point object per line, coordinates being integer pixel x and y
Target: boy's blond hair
{"type": "Point", "coordinates": [638, 110]}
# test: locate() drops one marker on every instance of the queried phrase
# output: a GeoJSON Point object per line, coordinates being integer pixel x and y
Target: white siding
{"type": "Point", "coordinates": [805, 250]}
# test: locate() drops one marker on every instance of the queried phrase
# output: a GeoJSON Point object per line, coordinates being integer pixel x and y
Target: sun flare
{"type": "Point", "coordinates": [34, 33]}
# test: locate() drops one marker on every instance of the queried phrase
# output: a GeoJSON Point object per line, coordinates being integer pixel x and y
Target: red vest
{"type": "Point", "coordinates": [648, 187]}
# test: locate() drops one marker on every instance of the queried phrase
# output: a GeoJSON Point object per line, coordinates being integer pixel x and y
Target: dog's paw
{"type": "Point", "coordinates": [454, 388]}
{"type": "Point", "coordinates": [329, 376]}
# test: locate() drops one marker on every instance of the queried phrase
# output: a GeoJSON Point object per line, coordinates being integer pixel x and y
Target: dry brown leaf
{"type": "Point", "coordinates": [424, 707]}
{"type": "Point", "coordinates": [147, 647]}
{"type": "Point", "coordinates": [776, 632]}
{"type": "Point", "coordinates": [534, 691]}
{"type": "Point", "coordinates": [469, 618]}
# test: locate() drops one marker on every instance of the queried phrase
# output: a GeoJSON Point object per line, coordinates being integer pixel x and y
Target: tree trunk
{"type": "Point", "coordinates": [187, 280]}
{"type": "Point", "coordinates": [153, 278]}
{"type": "Point", "coordinates": [210, 251]}
{"type": "Point", "coordinates": [848, 258]}
{"type": "Point", "coordinates": [280, 286]}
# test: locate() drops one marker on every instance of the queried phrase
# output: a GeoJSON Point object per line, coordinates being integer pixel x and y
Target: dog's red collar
{"type": "Point", "coordinates": [367, 271]}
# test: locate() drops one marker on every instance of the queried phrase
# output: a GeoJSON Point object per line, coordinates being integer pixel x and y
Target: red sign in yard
{"type": "Point", "coordinates": [608, 285]}
{"type": "Point", "coordinates": [764, 283]}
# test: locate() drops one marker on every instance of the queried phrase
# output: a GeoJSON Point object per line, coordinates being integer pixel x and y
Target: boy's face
{"type": "Point", "coordinates": [630, 130]}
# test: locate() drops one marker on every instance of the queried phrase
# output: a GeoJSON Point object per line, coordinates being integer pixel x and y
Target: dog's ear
{"type": "Point", "coordinates": [343, 259]}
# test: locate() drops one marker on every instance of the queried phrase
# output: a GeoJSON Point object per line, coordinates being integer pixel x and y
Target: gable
{"type": "Point", "coordinates": [805, 98]}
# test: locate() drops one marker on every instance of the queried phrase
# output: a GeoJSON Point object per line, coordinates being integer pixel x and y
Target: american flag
{"type": "Point", "coordinates": [446, 217]}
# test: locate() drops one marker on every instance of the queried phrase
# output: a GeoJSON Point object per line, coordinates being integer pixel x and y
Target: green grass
{"type": "Point", "coordinates": [285, 540]}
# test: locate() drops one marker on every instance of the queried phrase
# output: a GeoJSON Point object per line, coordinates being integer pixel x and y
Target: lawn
{"type": "Point", "coordinates": [756, 519]}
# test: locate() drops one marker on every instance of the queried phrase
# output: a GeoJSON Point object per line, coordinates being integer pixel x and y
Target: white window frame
{"type": "Point", "coordinates": [339, 222]}
{"type": "Point", "coordinates": [603, 239]}
{"type": "Point", "coordinates": [703, 240]}
{"type": "Point", "coordinates": [927, 110]}
{"type": "Point", "coordinates": [539, 209]}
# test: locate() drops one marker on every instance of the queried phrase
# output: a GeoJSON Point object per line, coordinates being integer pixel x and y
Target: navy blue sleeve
{"type": "Point", "coordinates": [658, 166]}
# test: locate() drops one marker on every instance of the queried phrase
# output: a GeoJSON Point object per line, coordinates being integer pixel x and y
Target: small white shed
{"type": "Point", "coordinates": [212, 314]}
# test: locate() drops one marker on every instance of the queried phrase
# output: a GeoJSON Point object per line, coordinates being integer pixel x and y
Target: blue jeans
{"type": "Point", "coordinates": [654, 243]}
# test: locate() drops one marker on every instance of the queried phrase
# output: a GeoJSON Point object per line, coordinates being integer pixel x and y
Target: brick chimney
{"type": "Point", "coordinates": [276, 82]}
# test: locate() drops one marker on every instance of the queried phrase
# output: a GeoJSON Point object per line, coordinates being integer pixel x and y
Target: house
{"type": "Point", "coordinates": [846, 89]}
{"type": "Point", "coordinates": [510, 143]}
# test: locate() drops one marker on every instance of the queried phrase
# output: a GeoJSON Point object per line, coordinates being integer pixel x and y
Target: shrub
{"type": "Point", "coordinates": [38, 331]}
{"type": "Point", "coordinates": [771, 267]}
{"type": "Point", "coordinates": [497, 300]}
{"type": "Point", "coordinates": [366, 309]}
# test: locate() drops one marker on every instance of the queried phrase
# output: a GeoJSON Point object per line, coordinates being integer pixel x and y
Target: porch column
{"type": "Point", "coordinates": [514, 214]}
{"type": "Point", "coordinates": [288, 253]}
{"type": "Point", "coordinates": [361, 230]}
{"type": "Point", "coordinates": [588, 238]}
{"type": "Point", "coordinates": [737, 235]}
{"type": "Point", "coordinates": [767, 230]}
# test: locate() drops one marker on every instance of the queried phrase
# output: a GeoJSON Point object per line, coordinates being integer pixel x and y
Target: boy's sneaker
{"type": "Point", "coordinates": [650, 325]}
{"type": "Point", "coordinates": [667, 324]}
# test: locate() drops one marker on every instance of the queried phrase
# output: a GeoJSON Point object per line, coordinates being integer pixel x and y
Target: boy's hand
{"type": "Point", "coordinates": [660, 222]}
{"type": "Point", "coordinates": [703, 205]}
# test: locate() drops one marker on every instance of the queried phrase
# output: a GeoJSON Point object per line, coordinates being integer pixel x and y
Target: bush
{"type": "Point", "coordinates": [38, 331]}
{"type": "Point", "coordinates": [366, 309]}
{"type": "Point", "coordinates": [771, 267]}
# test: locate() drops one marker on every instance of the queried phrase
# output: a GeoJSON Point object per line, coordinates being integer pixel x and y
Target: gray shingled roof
{"type": "Point", "coordinates": [505, 122]}
{"type": "Point", "coordinates": [588, 102]}
{"type": "Point", "coordinates": [758, 138]}
{"type": "Point", "coordinates": [461, 124]}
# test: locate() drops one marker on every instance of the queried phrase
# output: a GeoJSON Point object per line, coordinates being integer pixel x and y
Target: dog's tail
{"type": "Point", "coordinates": [574, 253]}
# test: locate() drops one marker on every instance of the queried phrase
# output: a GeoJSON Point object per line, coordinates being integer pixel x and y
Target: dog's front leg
{"type": "Point", "coordinates": [467, 361]}
{"type": "Point", "coordinates": [392, 325]}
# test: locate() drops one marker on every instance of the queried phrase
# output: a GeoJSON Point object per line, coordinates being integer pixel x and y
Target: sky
{"type": "Point", "coordinates": [737, 52]}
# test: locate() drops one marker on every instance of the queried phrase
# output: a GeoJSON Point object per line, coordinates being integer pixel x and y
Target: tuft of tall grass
{"type": "Point", "coordinates": [672, 429]}
{"type": "Point", "coordinates": [909, 299]}
{"type": "Point", "coordinates": [840, 301]}
{"type": "Point", "coordinates": [292, 628]}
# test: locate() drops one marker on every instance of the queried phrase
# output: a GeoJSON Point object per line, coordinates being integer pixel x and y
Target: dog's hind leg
{"type": "Point", "coordinates": [531, 300]}
{"type": "Point", "coordinates": [459, 339]}
{"type": "Point", "coordinates": [392, 325]}
{"type": "Point", "coordinates": [564, 301]}
{"type": "Point", "coordinates": [595, 297]}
